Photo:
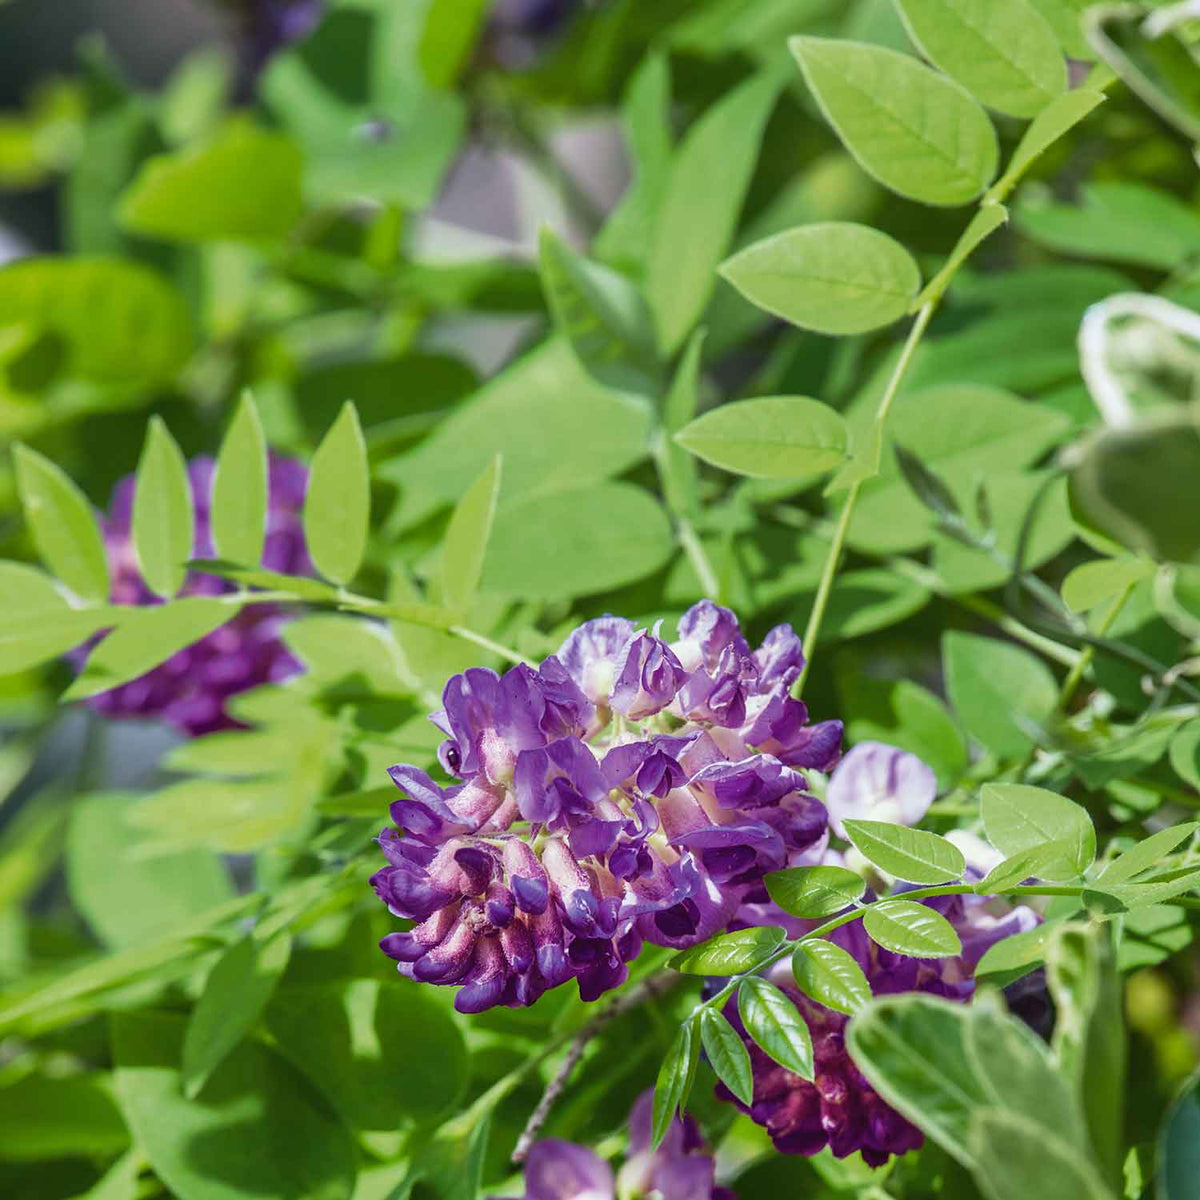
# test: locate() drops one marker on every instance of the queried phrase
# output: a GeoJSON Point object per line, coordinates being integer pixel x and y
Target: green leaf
{"type": "Point", "coordinates": [1185, 753]}
{"type": "Point", "coordinates": [259, 1129]}
{"type": "Point", "coordinates": [1089, 1033]}
{"type": "Point", "coordinates": [1056, 120]}
{"type": "Point", "coordinates": [910, 854]}
{"type": "Point", "coordinates": [128, 894]}
{"type": "Point", "coordinates": [832, 277]}
{"type": "Point", "coordinates": [240, 488]}
{"type": "Point", "coordinates": [28, 639]}
{"type": "Point", "coordinates": [702, 198]}
{"type": "Point", "coordinates": [123, 325]}
{"type": "Point", "coordinates": [1092, 583]}
{"type": "Point", "coordinates": [448, 38]}
{"type": "Point", "coordinates": [1002, 694]}
{"type": "Point", "coordinates": [1018, 817]}
{"type": "Point", "coordinates": [729, 953]}
{"type": "Point", "coordinates": [1125, 897]}
{"type": "Point", "coordinates": [1027, 864]}
{"type": "Point", "coordinates": [1014, 956]}
{"type": "Point", "coordinates": [728, 1054]}
{"type": "Point", "coordinates": [63, 525]}
{"type": "Point", "coordinates": [74, 1116]}
{"type": "Point", "coordinates": [1179, 1144]}
{"type": "Point", "coordinates": [776, 1026]}
{"type": "Point", "coordinates": [915, 131]}
{"type": "Point", "coordinates": [1019, 1157]}
{"type": "Point", "coordinates": [906, 927]}
{"type": "Point", "coordinates": [1006, 54]}
{"type": "Point", "coordinates": [464, 546]}
{"type": "Point", "coordinates": [145, 637]}
{"type": "Point", "coordinates": [983, 224]}
{"type": "Point", "coordinates": [235, 993]}
{"type": "Point", "coordinates": [830, 976]}
{"type": "Point", "coordinates": [588, 539]}
{"type": "Point", "coordinates": [601, 314]}
{"type": "Point", "coordinates": [671, 1082]}
{"type": "Point", "coordinates": [163, 521]}
{"type": "Point", "coordinates": [773, 437]}
{"type": "Point", "coordinates": [243, 184]}
{"type": "Point", "coordinates": [813, 892]}
{"type": "Point", "coordinates": [337, 507]}
{"type": "Point", "coordinates": [354, 1040]}
{"type": "Point", "coordinates": [1147, 853]}
{"type": "Point", "coordinates": [913, 1050]}
{"type": "Point", "coordinates": [347, 652]}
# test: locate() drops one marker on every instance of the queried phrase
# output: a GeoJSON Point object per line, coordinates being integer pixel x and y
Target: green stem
{"type": "Point", "coordinates": [693, 547]}
{"type": "Point", "coordinates": [469, 635]}
{"type": "Point", "coordinates": [832, 561]}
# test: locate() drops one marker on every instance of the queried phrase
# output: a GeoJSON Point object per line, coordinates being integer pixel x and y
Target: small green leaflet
{"type": "Point", "coordinates": [1092, 583]}
{"type": "Point", "coordinates": [833, 277]}
{"type": "Point", "coordinates": [728, 1054]}
{"type": "Point", "coordinates": [910, 854]}
{"type": "Point", "coordinates": [983, 224]}
{"type": "Point", "coordinates": [813, 892]}
{"type": "Point", "coordinates": [145, 637]}
{"type": "Point", "coordinates": [465, 544]}
{"type": "Point", "coordinates": [770, 437]}
{"type": "Point", "coordinates": [1018, 817]}
{"type": "Point", "coordinates": [1147, 853]}
{"type": "Point", "coordinates": [1027, 864]}
{"type": "Point", "coordinates": [63, 526]}
{"type": "Point", "coordinates": [729, 953]}
{"type": "Point", "coordinates": [906, 927]}
{"type": "Point", "coordinates": [914, 130]}
{"type": "Point", "coordinates": [830, 976]}
{"type": "Point", "coordinates": [337, 508]}
{"type": "Point", "coordinates": [1005, 54]}
{"type": "Point", "coordinates": [673, 1077]}
{"type": "Point", "coordinates": [27, 639]}
{"type": "Point", "coordinates": [776, 1025]}
{"type": "Point", "coordinates": [163, 520]}
{"type": "Point", "coordinates": [1014, 956]}
{"type": "Point", "coordinates": [1125, 897]}
{"type": "Point", "coordinates": [240, 488]}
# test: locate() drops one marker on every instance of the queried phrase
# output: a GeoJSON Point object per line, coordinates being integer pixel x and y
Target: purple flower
{"type": "Point", "coordinates": [190, 689]}
{"type": "Point", "coordinates": [880, 783]}
{"type": "Point", "coordinates": [574, 835]}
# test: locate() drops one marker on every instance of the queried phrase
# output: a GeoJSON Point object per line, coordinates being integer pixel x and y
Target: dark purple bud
{"type": "Point", "coordinates": [517, 944]}
{"type": "Point", "coordinates": [408, 947]}
{"type": "Point", "coordinates": [649, 678]}
{"type": "Point", "coordinates": [526, 876]}
{"type": "Point", "coordinates": [532, 895]}
{"type": "Point", "coordinates": [477, 866]}
{"type": "Point", "coordinates": [485, 982]}
{"type": "Point", "coordinates": [548, 946]}
{"type": "Point", "coordinates": [409, 893]}
{"type": "Point", "coordinates": [450, 960]}
{"type": "Point", "coordinates": [499, 905]}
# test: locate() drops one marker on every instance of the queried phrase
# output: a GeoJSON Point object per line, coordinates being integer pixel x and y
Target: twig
{"type": "Point", "coordinates": [650, 987]}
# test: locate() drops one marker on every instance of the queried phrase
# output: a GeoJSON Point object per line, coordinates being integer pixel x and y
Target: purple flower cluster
{"type": "Point", "coordinates": [189, 690]}
{"type": "Point", "coordinates": [627, 790]}
{"type": "Point", "coordinates": [681, 1168]}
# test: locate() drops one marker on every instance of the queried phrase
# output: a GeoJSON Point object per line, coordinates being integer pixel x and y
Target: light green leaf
{"type": "Point", "coordinates": [1092, 583]}
{"type": "Point", "coordinates": [1179, 1144]}
{"type": "Point", "coordinates": [145, 637]}
{"type": "Point", "coordinates": [910, 854]}
{"type": "Point", "coordinates": [602, 315]}
{"type": "Point", "coordinates": [448, 38]}
{"type": "Point", "coordinates": [344, 652]}
{"type": "Point", "coordinates": [813, 892]}
{"type": "Point", "coordinates": [63, 525]}
{"type": "Point", "coordinates": [129, 894]}
{"type": "Point", "coordinates": [163, 520]}
{"type": "Point", "coordinates": [235, 993]}
{"type": "Point", "coordinates": [1018, 817]}
{"type": "Point", "coordinates": [906, 927]}
{"type": "Point", "coordinates": [213, 1147]}
{"type": "Point", "coordinates": [1014, 956]}
{"type": "Point", "coordinates": [43, 1117]}
{"type": "Point", "coordinates": [776, 1026]}
{"type": "Point", "coordinates": [832, 277]}
{"type": "Point", "coordinates": [1005, 54]}
{"type": "Point", "coordinates": [1185, 753]}
{"type": "Point", "coordinates": [1019, 1157]}
{"type": "Point", "coordinates": [729, 953]}
{"type": "Point", "coordinates": [1027, 864]}
{"type": "Point", "coordinates": [1002, 694]}
{"type": "Point", "coordinates": [1147, 853]}
{"type": "Point", "coordinates": [830, 976]}
{"type": "Point", "coordinates": [983, 224]}
{"type": "Point", "coordinates": [464, 546]}
{"type": "Point", "coordinates": [28, 639]}
{"type": "Point", "coordinates": [672, 1080]}
{"type": "Point", "coordinates": [27, 592]}
{"type": "Point", "coordinates": [123, 324]}
{"type": "Point", "coordinates": [703, 195]}
{"type": "Point", "coordinates": [1125, 897]}
{"type": "Point", "coordinates": [337, 507]}
{"type": "Point", "coordinates": [728, 1054]}
{"type": "Point", "coordinates": [770, 437]}
{"type": "Point", "coordinates": [915, 131]}
{"type": "Point", "coordinates": [239, 488]}
{"type": "Point", "coordinates": [576, 542]}
{"type": "Point", "coordinates": [242, 184]}
{"type": "Point", "coordinates": [1056, 120]}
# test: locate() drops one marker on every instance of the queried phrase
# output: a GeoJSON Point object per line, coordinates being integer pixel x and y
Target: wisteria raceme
{"type": "Point", "coordinates": [627, 791]}
{"type": "Point", "coordinates": [840, 1109]}
{"type": "Point", "coordinates": [682, 1168]}
{"type": "Point", "coordinates": [189, 690]}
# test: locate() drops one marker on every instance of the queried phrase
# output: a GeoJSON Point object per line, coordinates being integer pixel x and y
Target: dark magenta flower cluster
{"type": "Point", "coordinates": [629, 790]}
{"type": "Point", "coordinates": [190, 689]}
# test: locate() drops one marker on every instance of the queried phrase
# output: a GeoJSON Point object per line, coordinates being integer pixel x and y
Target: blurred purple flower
{"type": "Point", "coordinates": [189, 690]}
{"type": "Point", "coordinates": [879, 783]}
{"type": "Point", "coordinates": [597, 807]}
